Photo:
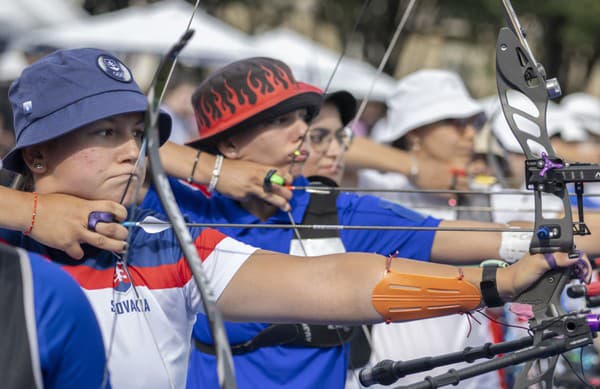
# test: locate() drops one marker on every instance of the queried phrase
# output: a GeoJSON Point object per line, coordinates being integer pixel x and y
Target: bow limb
{"type": "Point", "coordinates": [156, 91]}
{"type": "Point", "coordinates": [225, 368]}
{"type": "Point", "coordinates": [150, 146]}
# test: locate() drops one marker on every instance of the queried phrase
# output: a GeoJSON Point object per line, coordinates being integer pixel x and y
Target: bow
{"type": "Point", "coordinates": [150, 146]}
{"type": "Point", "coordinates": [553, 331]}
{"type": "Point", "coordinates": [517, 70]}
{"type": "Point", "coordinates": [224, 360]}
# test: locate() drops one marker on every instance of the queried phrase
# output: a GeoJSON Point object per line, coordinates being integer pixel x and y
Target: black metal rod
{"type": "Point", "coordinates": [387, 372]}
{"type": "Point", "coordinates": [545, 349]}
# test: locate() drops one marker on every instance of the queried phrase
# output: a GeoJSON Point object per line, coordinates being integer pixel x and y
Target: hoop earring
{"type": "Point", "coordinates": [416, 145]}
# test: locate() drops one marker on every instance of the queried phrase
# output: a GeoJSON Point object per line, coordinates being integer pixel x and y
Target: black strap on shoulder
{"type": "Point", "coordinates": [289, 335]}
{"type": "Point", "coordinates": [321, 209]}
{"type": "Point", "coordinates": [18, 339]}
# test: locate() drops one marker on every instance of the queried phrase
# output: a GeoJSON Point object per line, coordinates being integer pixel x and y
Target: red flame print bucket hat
{"type": "Point", "coordinates": [246, 93]}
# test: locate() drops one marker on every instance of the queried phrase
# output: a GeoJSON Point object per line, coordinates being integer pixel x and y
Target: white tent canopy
{"type": "Point", "coordinates": [154, 28]}
{"type": "Point", "coordinates": [27, 14]}
{"type": "Point", "coordinates": [315, 64]}
{"type": "Point", "coordinates": [18, 17]}
{"type": "Point", "coordinates": [147, 29]}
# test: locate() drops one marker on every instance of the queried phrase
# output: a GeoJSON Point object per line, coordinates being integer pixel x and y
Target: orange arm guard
{"type": "Point", "coordinates": [402, 296]}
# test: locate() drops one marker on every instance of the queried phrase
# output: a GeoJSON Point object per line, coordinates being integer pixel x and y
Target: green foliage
{"type": "Point", "coordinates": [568, 27]}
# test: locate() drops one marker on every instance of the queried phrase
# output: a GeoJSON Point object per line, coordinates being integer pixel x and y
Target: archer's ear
{"type": "Point", "coordinates": [35, 159]}
{"type": "Point", "coordinates": [228, 148]}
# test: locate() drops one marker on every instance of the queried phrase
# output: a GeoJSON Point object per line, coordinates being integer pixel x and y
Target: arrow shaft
{"type": "Point", "coordinates": [333, 227]}
{"type": "Point", "coordinates": [327, 189]}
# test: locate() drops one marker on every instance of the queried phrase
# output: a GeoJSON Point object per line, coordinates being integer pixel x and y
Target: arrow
{"type": "Point", "coordinates": [153, 225]}
{"type": "Point", "coordinates": [328, 189]}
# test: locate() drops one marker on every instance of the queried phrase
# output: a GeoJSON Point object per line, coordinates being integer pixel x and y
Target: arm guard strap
{"type": "Point", "coordinates": [402, 296]}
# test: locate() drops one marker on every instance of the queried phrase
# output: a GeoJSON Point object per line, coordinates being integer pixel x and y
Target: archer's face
{"type": "Point", "coordinates": [272, 144]}
{"type": "Point", "coordinates": [93, 162]}
{"type": "Point", "coordinates": [587, 151]}
{"type": "Point", "coordinates": [445, 141]}
{"type": "Point", "coordinates": [326, 149]}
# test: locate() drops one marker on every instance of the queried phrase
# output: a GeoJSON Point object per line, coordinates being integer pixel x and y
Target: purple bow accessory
{"type": "Point", "coordinates": [99, 217]}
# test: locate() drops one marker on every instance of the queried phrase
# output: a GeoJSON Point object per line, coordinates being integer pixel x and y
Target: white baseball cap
{"type": "Point", "coordinates": [585, 109]}
{"type": "Point", "coordinates": [422, 98]}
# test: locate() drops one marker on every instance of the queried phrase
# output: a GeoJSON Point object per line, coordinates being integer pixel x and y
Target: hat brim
{"type": "Point", "coordinates": [80, 114]}
{"type": "Point", "coordinates": [345, 104]}
{"type": "Point", "coordinates": [430, 114]}
{"type": "Point", "coordinates": [307, 97]}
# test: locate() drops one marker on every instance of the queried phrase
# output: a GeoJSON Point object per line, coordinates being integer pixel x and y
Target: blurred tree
{"type": "Point", "coordinates": [562, 33]}
{"type": "Point", "coordinates": [569, 30]}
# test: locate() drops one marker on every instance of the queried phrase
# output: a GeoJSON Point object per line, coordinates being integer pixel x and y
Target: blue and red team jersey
{"type": "Point", "coordinates": [68, 350]}
{"type": "Point", "coordinates": [146, 309]}
{"type": "Point", "coordinates": [281, 366]}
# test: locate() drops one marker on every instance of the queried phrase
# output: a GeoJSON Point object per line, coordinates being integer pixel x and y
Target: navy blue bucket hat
{"type": "Point", "coordinates": [69, 89]}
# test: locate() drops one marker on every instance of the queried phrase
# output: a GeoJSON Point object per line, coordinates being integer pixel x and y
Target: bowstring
{"type": "Point", "coordinates": [386, 56]}
{"type": "Point", "coordinates": [136, 172]}
{"type": "Point", "coordinates": [364, 102]}
{"type": "Point", "coordinates": [361, 13]}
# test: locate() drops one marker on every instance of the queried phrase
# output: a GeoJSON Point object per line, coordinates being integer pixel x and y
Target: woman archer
{"type": "Point", "coordinates": [78, 123]}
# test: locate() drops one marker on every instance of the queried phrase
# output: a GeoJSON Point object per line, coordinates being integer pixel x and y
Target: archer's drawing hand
{"type": "Point", "coordinates": [62, 223]}
{"type": "Point", "coordinates": [241, 179]}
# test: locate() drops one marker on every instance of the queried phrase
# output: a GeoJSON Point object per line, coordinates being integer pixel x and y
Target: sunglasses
{"type": "Point", "coordinates": [477, 121]}
{"type": "Point", "coordinates": [320, 138]}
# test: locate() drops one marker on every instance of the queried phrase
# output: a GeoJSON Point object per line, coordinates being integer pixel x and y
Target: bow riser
{"type": "Point", "coordinates": [519, 73]}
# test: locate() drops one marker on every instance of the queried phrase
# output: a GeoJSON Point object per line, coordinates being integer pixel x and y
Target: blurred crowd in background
{"type": "Point", "coordinates": [309, 36]}
{"type": "Point", "coordinates": [436, 98]}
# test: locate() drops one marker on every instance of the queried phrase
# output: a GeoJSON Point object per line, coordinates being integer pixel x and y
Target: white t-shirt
{"type": "Point", "coordinates": [155, 324]}
{"type": "Point", "coordinates": [429, 337]}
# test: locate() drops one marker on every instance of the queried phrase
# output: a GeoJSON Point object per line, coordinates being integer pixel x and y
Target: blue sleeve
{"type": "Point", "coordinates": [70, 344]}
{"type": "Point", "coordinates": [191, 201]}
{"type": "Point", "coordinates": [370, 210]}
{"type": "Point", "coordinates": [151, 200]}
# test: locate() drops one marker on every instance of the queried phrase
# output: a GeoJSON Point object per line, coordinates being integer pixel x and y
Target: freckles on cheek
{"type": "Point", "coordinates": [89, 159]}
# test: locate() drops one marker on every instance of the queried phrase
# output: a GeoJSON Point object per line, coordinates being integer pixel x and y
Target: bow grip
{"type": "Point", "coordinates": [99, 217]}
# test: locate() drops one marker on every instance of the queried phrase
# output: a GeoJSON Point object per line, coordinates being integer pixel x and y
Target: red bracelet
{"type": "Point", "coordinates": [33, 214]}
{"type": "Point", "coordinates": [457, 172]}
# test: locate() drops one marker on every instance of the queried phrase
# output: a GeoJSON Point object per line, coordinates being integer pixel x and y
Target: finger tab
{"type": "Point", "coordinates": [99, 217]}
